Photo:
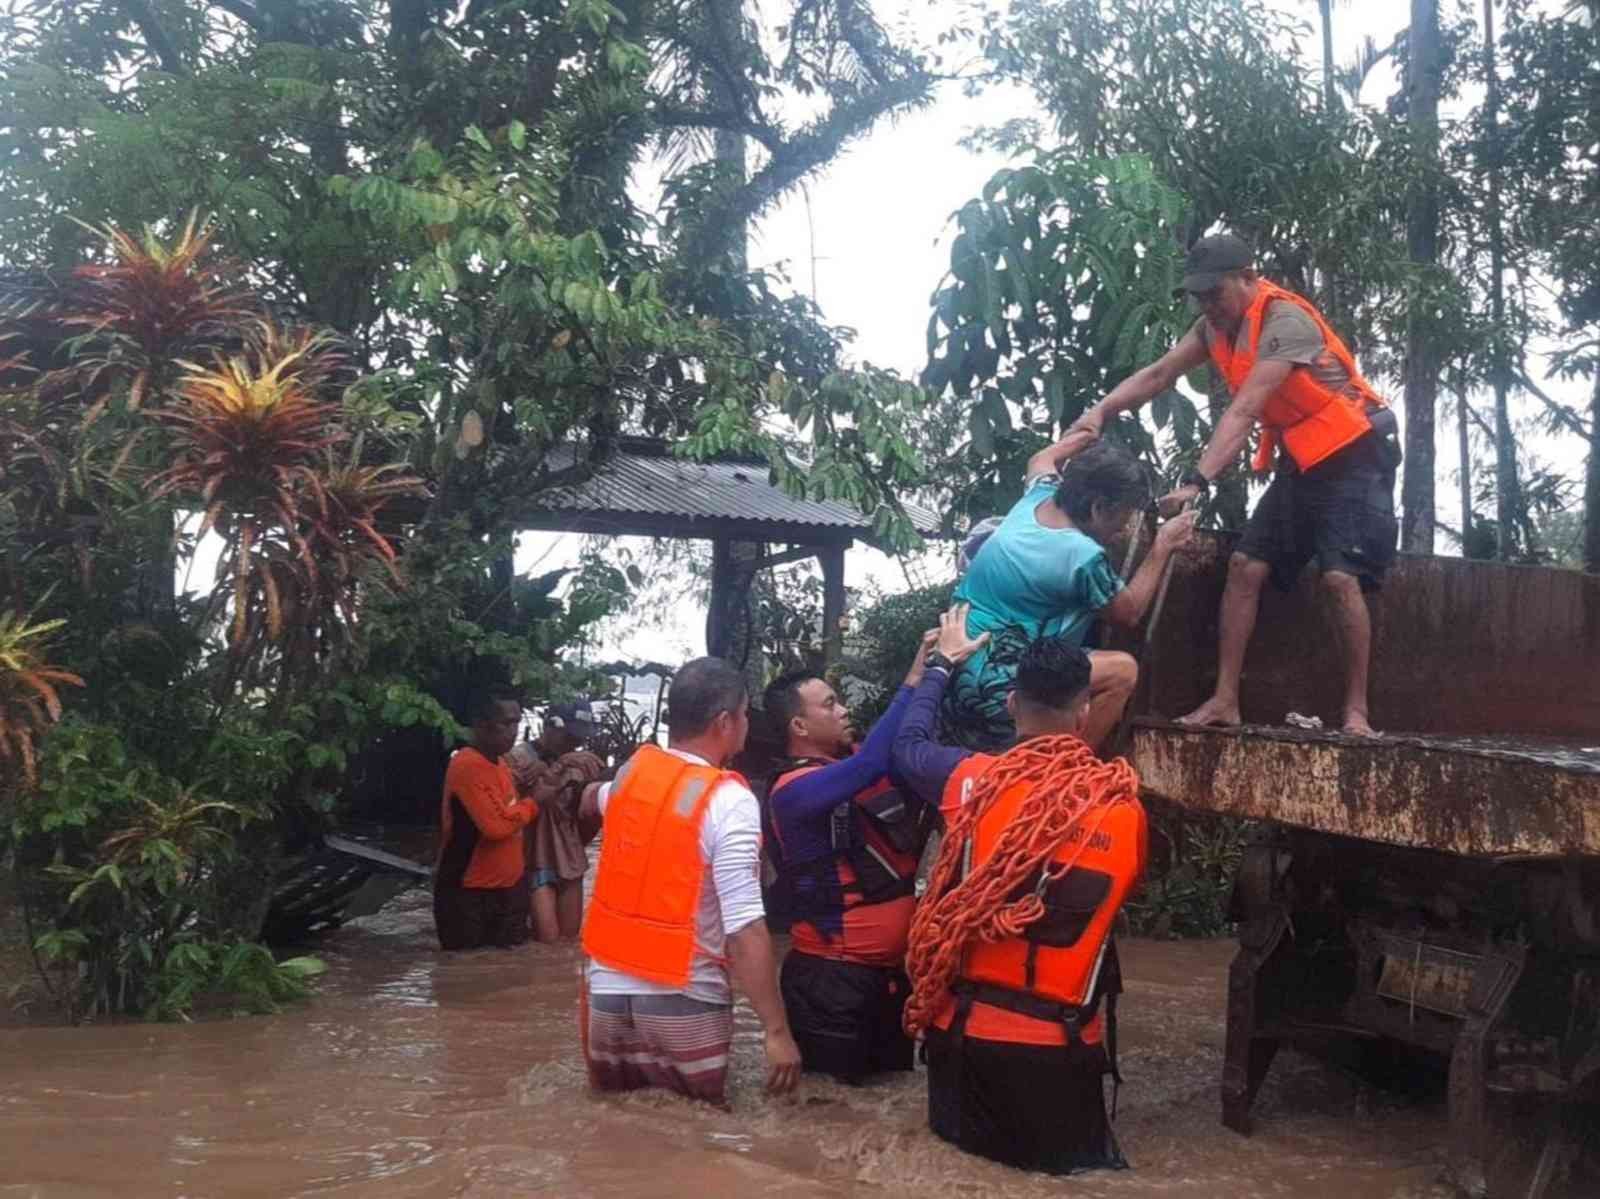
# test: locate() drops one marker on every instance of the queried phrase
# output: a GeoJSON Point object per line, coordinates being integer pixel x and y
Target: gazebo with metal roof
{"type": "Point", "coordinates": [638, 487]}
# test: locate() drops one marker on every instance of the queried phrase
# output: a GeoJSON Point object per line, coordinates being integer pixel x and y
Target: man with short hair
{"type": "Point", "coordinates": [676, 910]}
{"type": "Point", "coordinates": [553, 771]}
{"type": "Point", "coordinates": [1337, 446]}
{"type": "Point", "coordinates": [845, 844]}
{"type": "Point", "coordinates": [1019, 1008]}
{"type": "Point", "coordinates": [480, 897]}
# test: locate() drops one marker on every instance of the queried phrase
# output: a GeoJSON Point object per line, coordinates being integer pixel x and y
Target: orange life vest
{"type": "Point", "coordinates": [641, 917]}
{"type": "Point", "coordinates": [1062, 965]}
{"type": "Point", "coordinates": [876, 839]}
{"type": "Point", "coordinates": [1313, 422]}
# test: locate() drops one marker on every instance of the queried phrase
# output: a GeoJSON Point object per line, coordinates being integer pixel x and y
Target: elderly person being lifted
{"type": "Point", "coordinates": [1332, 497]}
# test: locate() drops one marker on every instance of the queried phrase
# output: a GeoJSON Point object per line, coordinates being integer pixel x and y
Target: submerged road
{"type": "Point", "coordinates": [416, 1073]}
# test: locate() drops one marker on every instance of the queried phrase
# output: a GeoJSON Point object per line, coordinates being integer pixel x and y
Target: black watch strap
{"type": "Point", "coordinates": [1194, 478]}
{"type": "Point", "coordinates": [937, 661]}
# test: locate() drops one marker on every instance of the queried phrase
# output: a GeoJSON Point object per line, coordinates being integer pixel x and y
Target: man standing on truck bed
{"type": "Point", "coordinates": [1337, 449]}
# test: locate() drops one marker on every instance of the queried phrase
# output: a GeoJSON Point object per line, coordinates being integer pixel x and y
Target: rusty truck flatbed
{"type": "Point", "coordinates": [1470, 795]}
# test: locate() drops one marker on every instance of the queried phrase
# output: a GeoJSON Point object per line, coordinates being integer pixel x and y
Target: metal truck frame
{"type": "Point", "coordinates": [1438, 888]}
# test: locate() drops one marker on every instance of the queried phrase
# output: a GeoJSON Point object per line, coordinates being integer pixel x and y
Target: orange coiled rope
{"type": "Point", "coordinates": [1069, 787]}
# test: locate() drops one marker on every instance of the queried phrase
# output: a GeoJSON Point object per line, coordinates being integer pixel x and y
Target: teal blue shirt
{"type": "Point", "coordinates": [1028, 581]}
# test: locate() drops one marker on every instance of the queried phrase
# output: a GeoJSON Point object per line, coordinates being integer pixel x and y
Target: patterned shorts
{"type": "Point", "coordinates": [667, 1041]}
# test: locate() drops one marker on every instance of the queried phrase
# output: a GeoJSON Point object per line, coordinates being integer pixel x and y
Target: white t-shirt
{"type": "Point", "coordinates": [730, 896]}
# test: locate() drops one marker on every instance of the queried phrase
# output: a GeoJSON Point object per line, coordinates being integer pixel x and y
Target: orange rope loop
{"type": "Point", "coordinates": [1069, 790]}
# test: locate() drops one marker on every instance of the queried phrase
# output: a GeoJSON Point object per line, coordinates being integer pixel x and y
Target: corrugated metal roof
{"type": "Point", "coordinates": [645, 478]}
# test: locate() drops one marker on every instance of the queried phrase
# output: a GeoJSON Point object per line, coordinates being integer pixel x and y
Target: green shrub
{"type": "Point", "coordinates": [1193, 860]}
{"type": "Point", "coordinates": [130, 878]}
{"type": "Point", "coordinates": [883, 637]}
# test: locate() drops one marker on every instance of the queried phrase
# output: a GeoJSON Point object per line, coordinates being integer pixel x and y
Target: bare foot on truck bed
{"type": "Point", "coordinates": [1213, 714]}
{"type": "Point", "coordinates": [1356, 725]}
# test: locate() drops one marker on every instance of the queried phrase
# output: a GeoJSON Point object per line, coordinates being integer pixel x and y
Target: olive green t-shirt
{"type": "Point", "coordinates": [1288, 334]}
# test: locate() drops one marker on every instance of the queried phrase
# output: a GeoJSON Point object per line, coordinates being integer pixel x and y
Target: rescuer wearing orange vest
{"type": "Point", "coordinates": [1337, 448]}
{"type": "Point", "coordinates": [676, 908]}
{"type": "Point", "coordinates": [1013, 969]}
{"type": "Point", "coordinates": [845, 842]}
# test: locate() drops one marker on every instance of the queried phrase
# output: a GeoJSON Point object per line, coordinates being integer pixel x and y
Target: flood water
{"type": "Point", "coordinates": [416, 1073]}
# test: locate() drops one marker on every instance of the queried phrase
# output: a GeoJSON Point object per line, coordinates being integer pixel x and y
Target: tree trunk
{"type": "Point", "coordinates": [728, 146]}
{"type": "Point", "coordinates": [1423, 359]}
{"type": "Point", "coordinates": [1508, 501]}
{"type": "Point", "coordinates": [1330, 93]}
{"type": "Point", "coordinates": [1591, 484]}
{"type": "Point", "coordinates": [1466, 468]}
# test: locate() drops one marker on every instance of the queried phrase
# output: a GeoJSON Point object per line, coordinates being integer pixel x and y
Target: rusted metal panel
{"type": "Point", "coordinates": [1459, 647]}
{"type": "Point", "coordinates": [1468, 797]}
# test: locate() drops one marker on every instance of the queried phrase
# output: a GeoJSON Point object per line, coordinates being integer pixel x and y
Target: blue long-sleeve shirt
{"type": "Point", "coordinates": [918, 761]}
{"type": "Point", "coordinates": [802, 807]}
{"type": "Point", "coordinates": [802, 812]}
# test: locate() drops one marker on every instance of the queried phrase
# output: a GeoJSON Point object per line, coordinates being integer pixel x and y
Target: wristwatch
{"type": "Point", "coordinates": [937, 661]}
{"type": "Point", "coordinates": [1197, 480]}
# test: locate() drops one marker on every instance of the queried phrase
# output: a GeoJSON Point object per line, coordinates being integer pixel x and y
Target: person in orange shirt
{"type": "Point", "coordinates": [480, 894]}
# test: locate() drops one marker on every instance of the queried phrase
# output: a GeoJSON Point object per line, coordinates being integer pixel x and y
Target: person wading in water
{"type": "Point", "coordinates": [1014, 973]}
{"type": "Point", "coordinates": [676, 911]}
{"type": "Point", "coordinates": [845, 842]}
{"type": "Point", "coordinates": [553, 771]}
{"type": "Point", "coordinates": [1337, 446]}
{"type": "Point", "coordinates": [480, 894]}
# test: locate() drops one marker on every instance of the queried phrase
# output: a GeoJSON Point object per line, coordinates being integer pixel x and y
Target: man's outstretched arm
{"type": "Point", "coordinates": [918, 760]}
{"type": "Point", "coordinates": [1146, 383]}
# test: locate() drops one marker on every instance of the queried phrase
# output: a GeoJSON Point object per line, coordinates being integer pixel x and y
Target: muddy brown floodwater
{"type": "Point", "coordinates": [419, 1074]}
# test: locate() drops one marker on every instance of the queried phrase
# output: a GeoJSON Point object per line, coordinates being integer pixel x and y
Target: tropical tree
{"type": "Point", "coordinates": [1550, 89]}
{"type": "Point", "coordinates": [449, 189]}
{"type": "Point", "coordinates": [1061, 283]}
{"type": "Point", "coordinates": [141, 823]}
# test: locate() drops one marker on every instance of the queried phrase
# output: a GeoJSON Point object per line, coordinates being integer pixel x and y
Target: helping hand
{"type": "Point", "coordinates": [1174, 501]}
{"type": "Point", "coordinates": [919, 662]}
{"type": "Point", "coordinates": [1092, 421]}
{"type": "Point", "coordinates": [1178, 531]}
{"type": "Point", "coordinates": [953, 641]}
{"type": "Point", "coordinates": [580, 766]}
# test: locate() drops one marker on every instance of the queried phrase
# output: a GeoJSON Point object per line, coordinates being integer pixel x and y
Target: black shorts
{"type": "Point", "coordinates": [1022, 1105]}
{"type": "Point", "coordinates": [473, 917]}
{"type": "Point", "coordinates": [845, 1017]}
{"type": "Point", "coordinates": [1340, 512]}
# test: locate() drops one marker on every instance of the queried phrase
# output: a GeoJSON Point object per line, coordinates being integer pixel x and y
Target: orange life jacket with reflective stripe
{"type": "Point", "coordinates": [1312, 421]}
{"type": "Point", "coordinates": [641, 917]}
{"type": "Point", "coordinates": [1062, 964]}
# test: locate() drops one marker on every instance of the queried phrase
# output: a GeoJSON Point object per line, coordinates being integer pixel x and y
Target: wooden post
{"type": "Point", "coordinates": [832, 558]}
{"type": "Point", "coordinates": [716, 610]}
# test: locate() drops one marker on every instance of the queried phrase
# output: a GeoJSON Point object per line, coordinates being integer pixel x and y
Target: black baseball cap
{"type": "Point", "coordinates": [578, 717]}
{"type": "Point", "coordinates": [1211, 258]}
